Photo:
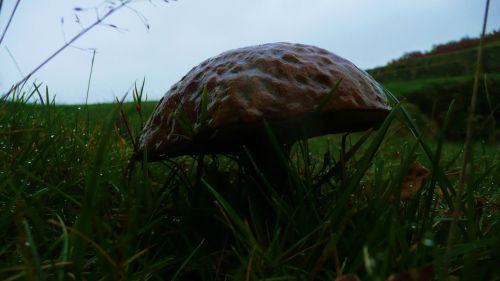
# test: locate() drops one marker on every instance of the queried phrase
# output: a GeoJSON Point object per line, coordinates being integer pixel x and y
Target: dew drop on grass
{"type": "Point", "coordinates": [157, 145]}
{"type": "Point", "coordinates": [428, 242]}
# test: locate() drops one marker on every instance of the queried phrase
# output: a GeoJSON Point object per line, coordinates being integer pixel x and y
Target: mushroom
{"type": "Point", "coordinates": [222, 104]}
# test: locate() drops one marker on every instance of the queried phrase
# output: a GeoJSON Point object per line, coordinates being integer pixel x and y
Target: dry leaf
{"type": "Point", "coordinates": [120, 141]}
{"type": "Point", "coordinates": [396, 154]}
{"type": "Point", "coordinates": [413, 180]}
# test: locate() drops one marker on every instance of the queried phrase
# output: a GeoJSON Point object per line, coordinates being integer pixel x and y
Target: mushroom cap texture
{"type": "Point", "coordinates": [222, 103]}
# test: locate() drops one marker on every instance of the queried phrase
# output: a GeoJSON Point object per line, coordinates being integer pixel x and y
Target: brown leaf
{"type": "Point", "coordinates": [413, 180]}
{"type": "Point", "coordinates": [396, 154]}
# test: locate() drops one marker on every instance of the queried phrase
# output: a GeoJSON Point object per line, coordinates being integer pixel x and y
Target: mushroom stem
{"type": "Point", "coordinates": [265, 164]}
{"type": "Point", "coordinates": [271, 161]}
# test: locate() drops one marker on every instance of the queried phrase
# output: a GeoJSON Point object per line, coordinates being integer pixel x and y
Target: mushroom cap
{"type": "Point", "coordinates": [222, 103]}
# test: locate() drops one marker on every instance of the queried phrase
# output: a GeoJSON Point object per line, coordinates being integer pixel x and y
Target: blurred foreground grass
{"type": "Point", "coordinates": [73, 207]}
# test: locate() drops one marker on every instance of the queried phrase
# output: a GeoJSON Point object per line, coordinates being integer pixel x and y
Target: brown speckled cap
{"type": "Point", "coordinates": [281, 83]}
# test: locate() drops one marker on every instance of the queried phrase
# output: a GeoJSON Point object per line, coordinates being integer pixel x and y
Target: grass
{"type": "Point", "coordinates": [404, 88]}
{"type": "Point", "coordinates": [73, 206]}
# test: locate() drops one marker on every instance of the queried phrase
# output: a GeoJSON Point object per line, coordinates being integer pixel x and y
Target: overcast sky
{"type": "Point", "coordinates": [182, 34]}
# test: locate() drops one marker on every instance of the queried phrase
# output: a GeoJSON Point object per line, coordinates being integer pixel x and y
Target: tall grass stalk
{"type": "Point", "coordinates": [88, 90]}
{"type": "Point", "coordinates": [111, 6]}
{"type": "Point", "coordinates": [9, 21]}
{"type": "Point", "coordinates": [98, 21]}
{"type": "Point", "coordinates": [469, 138]}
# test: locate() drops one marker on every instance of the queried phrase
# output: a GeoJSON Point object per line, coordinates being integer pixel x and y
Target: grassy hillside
{"type": "Point", "coordinates": [455, 63]}
{"type": "Point", "coordinates": [432, 81]}
{"type": "Point", "coordinates": [73, 207]}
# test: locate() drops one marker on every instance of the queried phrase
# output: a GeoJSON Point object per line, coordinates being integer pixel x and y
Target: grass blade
{"type": "Point", "coordinates": [186, 261]}
{"type": "Point", "coordinates": [30, 243]}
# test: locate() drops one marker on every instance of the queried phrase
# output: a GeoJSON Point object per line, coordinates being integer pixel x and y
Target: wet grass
{"type": "Point", "coordinates": [74, 207]}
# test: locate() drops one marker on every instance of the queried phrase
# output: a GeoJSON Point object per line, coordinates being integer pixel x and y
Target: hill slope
{"type": "Point", "coordinates": [432, 80]}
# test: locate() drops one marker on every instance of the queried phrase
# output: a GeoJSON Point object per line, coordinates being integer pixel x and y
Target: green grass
{"type": "Point", "coordinates": [73, 206]}
{"type": "Point", "coordinates": [404, 88]}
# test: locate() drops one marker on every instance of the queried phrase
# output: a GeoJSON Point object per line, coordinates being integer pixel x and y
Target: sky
{"type": "Point", "coordinates": [183, 33]}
